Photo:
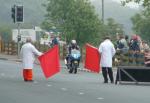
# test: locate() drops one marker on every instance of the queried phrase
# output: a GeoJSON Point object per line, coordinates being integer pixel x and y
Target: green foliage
{"type": "Point", "coordinates": [112, 27]}
{"type": "Point", "coordinates": [5, 33]}
{"type": "Point", "coordinates": [141, 24]}
{"type": "Point", "coordinates": [145, 3]}
{"type": "Point", "coordinates": [141, 21]}
{"type": "Point", "coordinates": [76, 18]}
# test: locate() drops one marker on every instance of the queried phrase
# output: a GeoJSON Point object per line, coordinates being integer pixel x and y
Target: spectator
{"type": "Point", "coordinates": [55, 41]}
{"type": "Point", "coordinates": [123, 45]}
{"type": "Point", "coordinates": [134, 44]}
{"type": "Point", "coordinates": [134, 48]}
{"type": "Point", "coordinates": [147, 58]}
{"type": "Point", "coordinates": [144, 47]}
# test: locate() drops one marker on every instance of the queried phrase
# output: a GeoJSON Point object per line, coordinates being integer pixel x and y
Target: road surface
{"type": "Point", "coordinates": [83, 87]}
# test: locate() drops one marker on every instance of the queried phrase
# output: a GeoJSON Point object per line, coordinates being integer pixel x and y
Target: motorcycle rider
{"type": "Point", "coordinates": [71, 46]}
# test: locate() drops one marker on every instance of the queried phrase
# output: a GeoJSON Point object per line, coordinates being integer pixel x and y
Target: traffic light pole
{"type": "Point", "coordinates": [18, 38]}
{"type": "Point", "coordinates": [17, 16]}
{"type": "Point", "coordinates": [103, 11]}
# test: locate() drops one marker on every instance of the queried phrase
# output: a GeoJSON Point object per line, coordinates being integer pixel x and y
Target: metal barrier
{"type": "Point", "coordinates": [133, 74]}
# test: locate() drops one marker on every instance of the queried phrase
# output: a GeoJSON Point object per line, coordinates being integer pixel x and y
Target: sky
{"type": "Point", "coordinates": [131, 4]}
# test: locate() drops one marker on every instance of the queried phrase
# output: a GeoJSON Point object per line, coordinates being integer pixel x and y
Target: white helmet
{"type": "Point", "coordinates": [73, 41]}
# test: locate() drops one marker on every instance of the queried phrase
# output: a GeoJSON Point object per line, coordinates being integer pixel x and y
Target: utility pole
{"type": "Point", "coordinates": [103, 11]}
{"type": "Point", "coordinates": [19, 20]}
{"type": "Point", "coordinates": [19, 38]}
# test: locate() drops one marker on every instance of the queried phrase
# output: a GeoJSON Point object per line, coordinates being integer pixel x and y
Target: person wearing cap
{"type": "Point", "coordinates": [107, 51]}
{"type": "Point", "coordinates": [28, 53]}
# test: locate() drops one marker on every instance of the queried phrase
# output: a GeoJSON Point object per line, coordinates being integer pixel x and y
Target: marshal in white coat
{"type": "Point", "coordinates": [28, 53]}
{"type": "Point", "coordinates": [107, 52]}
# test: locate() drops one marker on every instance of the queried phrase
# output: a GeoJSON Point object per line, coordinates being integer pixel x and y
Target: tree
{"type": "Point", "coordinates": [141, 24]}
{"type": "Point", "coordinates": [145, 3]}
{"type": "Point", "coordinates": [76, 19]}
{"type": "Point", "coordinates": [141, 21]}
{"type": "Point", "coordinates": [113, 27]}
{"type": "Point", "coordinates": [5, 33]}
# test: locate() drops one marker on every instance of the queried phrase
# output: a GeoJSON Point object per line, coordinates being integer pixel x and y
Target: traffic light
{"type": "Point", "coordinates": [19, 38]}
{"type": "Point", "coordinates": [19, 13]}
{"type": "Point", "coordinates": [13, 15]}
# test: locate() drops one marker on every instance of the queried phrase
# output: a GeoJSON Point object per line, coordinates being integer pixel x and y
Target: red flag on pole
{"type": "Point", "coordinates": [49, 62]}
{"type": "Point", "coordinates": [92, 58]}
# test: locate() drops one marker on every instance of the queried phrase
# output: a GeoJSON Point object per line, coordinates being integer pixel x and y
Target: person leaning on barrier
{"type": "Point", "coordinates": [107, 51]}
{"type": "Point", "coordinates": [28, 53]}
{"type": "Point", "coordinates": [144, 46]}
{"type": "Point", "coordinates": [122, 49]}
{"type": "Point", "coordinates": [55, 41]}
{"type": "Point", "coordinates": [134, 50]}
{"type": "Point", "coordinates": [147, 57]}
{"type": "Point", "coordinates": [122, 45]}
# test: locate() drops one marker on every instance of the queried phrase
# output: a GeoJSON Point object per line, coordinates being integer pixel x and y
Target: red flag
{"type": "Point", "coordinates": [92, 58]}
{"type": "Point", "coordinates": [50, 62]}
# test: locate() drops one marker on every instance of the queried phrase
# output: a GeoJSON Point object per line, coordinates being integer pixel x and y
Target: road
{"type": "Point", "coordinates": [83, 87]}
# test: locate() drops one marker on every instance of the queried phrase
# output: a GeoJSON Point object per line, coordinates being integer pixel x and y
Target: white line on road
{"type": "Point", "coordinates": [64, 89]}
{"type": "Point", "coordinates": [35, 82]}
{"type": "Point", "coordinates": [2, 74]}
{"type": "Point", "coordinates": [81, 93]}
{"type": "Point", "coordinates": [100, 98]}
{"type": "Point", "coordinates": [49, 85]}
{"type": "Point", "coordinates": [12, 76]}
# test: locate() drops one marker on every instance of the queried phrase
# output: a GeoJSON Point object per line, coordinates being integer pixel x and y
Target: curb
{"type": "Point", "coordinates": [3, 59]}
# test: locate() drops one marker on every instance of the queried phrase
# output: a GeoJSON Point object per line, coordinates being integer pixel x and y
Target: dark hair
{"type": "Point", "coordinates": [106, 37]}
{"type": "Point", "coordinates": [126, 37]}
{"type": "Point", "coordinates": [28, 40]}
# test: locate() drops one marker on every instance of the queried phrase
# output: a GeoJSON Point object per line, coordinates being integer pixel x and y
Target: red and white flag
{"type": "Point", "coordinates": [92, 58]}
{"type": "Point", "coordinates": [49, 62]}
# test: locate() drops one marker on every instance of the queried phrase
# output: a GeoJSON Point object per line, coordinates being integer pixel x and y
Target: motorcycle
{"type": "Point", "coordinates": [74, 60]}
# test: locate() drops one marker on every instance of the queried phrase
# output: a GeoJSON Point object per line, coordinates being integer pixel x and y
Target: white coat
{"type": "Point", "coordinates": [28, 53]}
{"type": "Point", "coordinates": [107, 52]}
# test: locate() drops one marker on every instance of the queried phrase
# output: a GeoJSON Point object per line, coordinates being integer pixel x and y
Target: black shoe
{"type": "Point", "coordinates": [70, 72]}
{"type": "Point", "coordinates": [112, 82]}
{"type": "Point", "coordinates": [29, 80]}
{"type": "Point", "coordinates": [105, 81]}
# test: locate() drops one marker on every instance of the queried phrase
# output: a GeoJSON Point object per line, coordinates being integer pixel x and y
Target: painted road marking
{"type": "Point", "coordinates": [100, 98]}
{"type": "Point", "coordinates": [81, 93]}
{"type": "Point", "coordinates": [49, 85]}
{"type": "Point", "coordinates": [2, 74]}
{"type": "Point", "coordinates": [12, 76]}
{"type": "Point", "coordinates": [35, 82]}
{"type": "Point", "coordinates": [64, 89]}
